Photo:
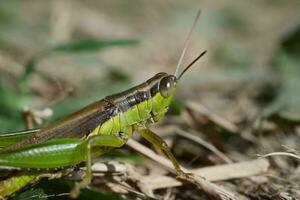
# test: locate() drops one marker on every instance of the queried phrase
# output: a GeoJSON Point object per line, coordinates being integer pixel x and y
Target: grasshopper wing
{"type": "Point", "coordinates": [76, 125]}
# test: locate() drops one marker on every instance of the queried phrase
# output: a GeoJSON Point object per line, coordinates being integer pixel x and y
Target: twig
{"type": "Point", "coordinates": [151, 154]}
{"type": "Point", "coordinates": [202, 142]}
{"type": "Point", "coordinates": [294, 155]}
{"type": "Point", "coordinates": [215, 173]}
{"type": "Point", "coordinates": [111, 167]}
{"type": "Point", "coordinates": [61, 25]}
{"type": "Point", "coordinates": [131, 173]}
{"type": "Point", "coordinates": [194, 137]}
{"type": "Point", "coordinates": [210, 188]}
{"type": "Point", "coordinates": [222, 122]}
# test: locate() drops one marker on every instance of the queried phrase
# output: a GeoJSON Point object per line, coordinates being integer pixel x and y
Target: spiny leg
{"type": "Point", "coordinates": [95, 141]}
{"type": "Point", "coordinates": [161, 144]}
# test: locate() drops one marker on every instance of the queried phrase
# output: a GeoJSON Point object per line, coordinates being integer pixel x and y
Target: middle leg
{"type": "Point", "coordinates": [95, 141]}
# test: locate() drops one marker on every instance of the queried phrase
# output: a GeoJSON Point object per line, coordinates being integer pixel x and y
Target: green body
{"type": "Point", "coordinates": [50, 154]}
{"type": "Point", "coordinates": [93, 130]}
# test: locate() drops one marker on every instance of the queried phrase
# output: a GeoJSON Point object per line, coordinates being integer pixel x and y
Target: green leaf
{"type": "Point", "coordinates": [32, 194]}
{"type": "Point", "coordinates": [86, 194]}
{"type": "Point", "coordinates": [59, 190]}
{"type": "Point", "coordinates": [287, 102]}
{"type": "Point", "coordinates": [175, 107]}
{"type": "Point", "coordinates": [118, 75]}
{"type": "Point", "coordinates": [91, 45]}
{"type": "Point", "coordinates": [11, 100]}
{"type": "Point", "coordinates": [291, 44]}
{"type": "Point", "coordinates": [30, 68]}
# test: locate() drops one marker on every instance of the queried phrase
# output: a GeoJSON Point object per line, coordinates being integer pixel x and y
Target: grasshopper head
{"type": "Point", "coordinates": [162, 88]}
{"type": "Point", "coordinates": [167, 86]}
{"type": "Point", "coordinates": [163, 85]}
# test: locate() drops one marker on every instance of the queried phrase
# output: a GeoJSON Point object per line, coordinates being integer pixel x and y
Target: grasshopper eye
{"type": "Point", "coordinates": [167, 86]}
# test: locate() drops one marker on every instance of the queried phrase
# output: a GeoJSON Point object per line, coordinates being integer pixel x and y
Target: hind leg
{"type": "Point", "coordinates": [161, 144]}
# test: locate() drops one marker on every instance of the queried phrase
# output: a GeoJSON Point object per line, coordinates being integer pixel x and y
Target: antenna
{"type": "Point", "coordinates": [186, 44]}
{"type": "Point", "coordinates": [191, 64]}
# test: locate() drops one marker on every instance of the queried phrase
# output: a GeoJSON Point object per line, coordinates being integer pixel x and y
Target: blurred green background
{"type": "Point", "coordinates": [64, 54]}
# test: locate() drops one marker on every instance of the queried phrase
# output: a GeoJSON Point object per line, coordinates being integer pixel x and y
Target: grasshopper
{"type": "Point", "coordinates": [93, 130]}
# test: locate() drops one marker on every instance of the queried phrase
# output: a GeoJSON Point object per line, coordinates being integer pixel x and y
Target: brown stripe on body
{"type": "Point", "coordinates": [133, 96]}
{"type": "Point", "coordinates": [129, 98]}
